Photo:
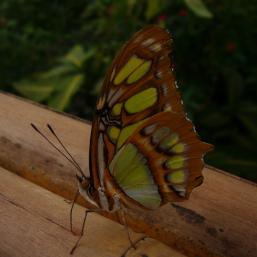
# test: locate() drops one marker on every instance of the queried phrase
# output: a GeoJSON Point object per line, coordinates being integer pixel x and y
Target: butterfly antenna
{"type": "Point", "coordinates": [56, 148]}
{"type": "Point", "coordinates": [65, 149]}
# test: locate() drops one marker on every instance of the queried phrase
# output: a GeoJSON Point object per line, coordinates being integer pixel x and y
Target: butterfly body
{"type": "Point", "coordinates": [144, 152]}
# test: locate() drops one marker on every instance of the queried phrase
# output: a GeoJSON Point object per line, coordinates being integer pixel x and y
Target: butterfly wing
{"type": "Point", "coordinates": [140, 84]}
{"type": "Point", "coordinates": [161, 162]}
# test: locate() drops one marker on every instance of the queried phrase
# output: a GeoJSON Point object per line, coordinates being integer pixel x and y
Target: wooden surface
{"type": "Point", "coordinates": [220, 219]}
{"type": "Point", "coordinates": [35, 223]}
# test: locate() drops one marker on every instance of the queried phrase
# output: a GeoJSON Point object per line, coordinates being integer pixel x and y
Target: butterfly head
{"type": "Point", "coordinates": [86, 189]}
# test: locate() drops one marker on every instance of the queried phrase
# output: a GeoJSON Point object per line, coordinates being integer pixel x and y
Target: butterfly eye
{"type": "Point", "coordinates": [91, 190]}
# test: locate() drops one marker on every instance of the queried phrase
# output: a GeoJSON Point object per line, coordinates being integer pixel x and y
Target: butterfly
{"type": "Point", "coordinates": [144, 151]}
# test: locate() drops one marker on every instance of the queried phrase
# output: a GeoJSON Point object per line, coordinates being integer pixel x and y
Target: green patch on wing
{"type": "Point", "coordinates": [126, 132]}
{"type": "Point", "coordinates": [131, 172]}
{"type": "Point", "coordinates": [142, 100]}
{"type": "Point", "coordinates": [133, 63]}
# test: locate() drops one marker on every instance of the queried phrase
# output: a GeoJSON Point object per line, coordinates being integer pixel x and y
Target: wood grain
{"type": "Point", "coordinates": [220, 219]}
{"type": "Point", "coordinates": [35, 223]}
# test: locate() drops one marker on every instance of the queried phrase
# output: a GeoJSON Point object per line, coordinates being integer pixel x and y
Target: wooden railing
{"type": "Point", "coordinates": [220, 218]}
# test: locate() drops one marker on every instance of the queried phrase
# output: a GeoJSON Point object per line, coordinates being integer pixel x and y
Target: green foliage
{"type": "Point", "coordinates": [57, 86]}
{"type": "Point", "coordinates": [198, 7]}
{"type": "Point", "coordinates": [58, 53]}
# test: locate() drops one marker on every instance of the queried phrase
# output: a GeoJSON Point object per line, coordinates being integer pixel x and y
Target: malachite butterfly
{"type": "Point", "coordinates": [144, 151]}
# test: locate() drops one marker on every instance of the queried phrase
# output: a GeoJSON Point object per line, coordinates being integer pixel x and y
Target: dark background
{"type": "Point", "coordinates": [57, 52]}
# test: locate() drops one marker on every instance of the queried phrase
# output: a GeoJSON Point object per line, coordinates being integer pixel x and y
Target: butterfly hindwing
{"type": "Point", "coordinates": [165, 161]}
{"type": "Point", "coordinates": [132, 173]}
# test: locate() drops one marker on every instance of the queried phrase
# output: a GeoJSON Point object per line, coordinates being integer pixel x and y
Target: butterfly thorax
{"type": "Point", "coordinates": [86, 190]}
{"type": "Point", "coordinates": [98, 197]}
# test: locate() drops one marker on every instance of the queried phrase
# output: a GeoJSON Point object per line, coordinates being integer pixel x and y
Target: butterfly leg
{"type": "Point", "coordinates": [82, 230]}
{"type": "Point", "coordinates": [132, 244]}
{"type": "Point", "coordinates": [126, 227]}
{"type": "Point", "coordinates": [130, 247]}
{"type": "Point", "coordinates": [71, 209]}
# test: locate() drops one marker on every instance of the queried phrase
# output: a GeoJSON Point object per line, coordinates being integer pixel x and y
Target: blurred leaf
{"type": "Point", "coordinates": [250, 124]}
{"type": "Point", "coordinates": [215, 119]}
{"type": "Point", "coordinates": [77, 56]}
{"type": "Point", "coordinates": [153, 8]}
{"type": "Point", "coordinates": [98, 86]}
{"type": "Point", "coordinates": [199, 8]}
{"type": "Point", "coordinates": [57, 85]}
{"type": "Point", "coordinates": [131, 3]}
{"type": "Point", "coordinates": [58, 71]}
{"type": "Point", "coordinates": [235, 85]}
{"type": "Point", "coordinates": [34, 89]}
{"type": "Point", "coordinates": [69, 88]}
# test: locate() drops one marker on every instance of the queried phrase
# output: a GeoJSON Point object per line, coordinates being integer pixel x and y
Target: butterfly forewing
{"type": "Point", "coordinates": [138, 90]}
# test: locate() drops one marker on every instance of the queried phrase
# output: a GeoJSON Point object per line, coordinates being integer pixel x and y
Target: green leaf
{"type": "Point", "coordinates": [131, 3]}
{"type": "Point", "coordinates": [97, 87]}
{"type": "Point", "coordinates": [153, 8]}
{"type": "Point", "coordinates": [57, 71]}
{"type": "Point", "coordinates": [34, 90]}
{"type": "Point", "coordinates": [77, 56]}
{"type": "Point", "coordinates": [249, 123]}
{"type": "Point", "coordinates": [64, 96]}
{"type": "Point", "coordinates": [199, 8]}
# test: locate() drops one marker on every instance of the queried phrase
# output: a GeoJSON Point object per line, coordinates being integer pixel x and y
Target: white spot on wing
{"type": "Point", "coordinates": [149, 129]}
{"type": "Point", "coordinates": [180, 190]}
{"type": "Point", "coordinates": [159, 74]}
{"type": "Point", "coordinates": [156, 47]}
{"type": "Point", "coordinates": [167, 107]}
{"type": "Point", "coordinates": [147, 42]}
{"type": "Point", "coordinates": [100, 102]}
{"type": "Point", "coordinates": [114, 96]}
{"type": "Point", "coordinates": [164, 88]}
{"type": "Point", "coordinates": [113, 73]}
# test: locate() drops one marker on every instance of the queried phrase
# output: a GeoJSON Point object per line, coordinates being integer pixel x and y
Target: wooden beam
{"type": "Point", "coordinates": [35, 223]}
{"type": "Point", "coordinates": [220, 219]}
